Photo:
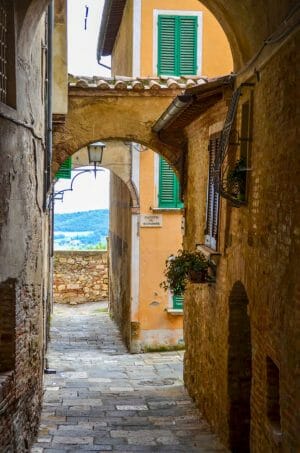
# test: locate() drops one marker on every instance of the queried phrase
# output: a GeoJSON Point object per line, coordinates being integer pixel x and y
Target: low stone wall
{"type": "Point", "coordinates": [80, 276]}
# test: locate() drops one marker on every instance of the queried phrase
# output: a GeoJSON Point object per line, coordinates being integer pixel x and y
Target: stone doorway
{"type": "Point", "coordinates": [239, 370]}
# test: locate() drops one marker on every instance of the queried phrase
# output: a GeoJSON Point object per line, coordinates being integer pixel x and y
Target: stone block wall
{"type": "Point", "coordinates": [80, 276]}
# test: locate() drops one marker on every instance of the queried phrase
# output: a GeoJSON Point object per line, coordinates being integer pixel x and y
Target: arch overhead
{"type": "Point", "coordinates": [29, 13]}
{"type": "Point", "coordinates": [248, 24]}
{"type": "Point", "coordinates": [116, 110]}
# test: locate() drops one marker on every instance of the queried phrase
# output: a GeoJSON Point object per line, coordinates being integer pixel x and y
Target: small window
{"type": "Point", "coordinates": [65, 169]}
{"type": "Point", "coordinates": [169, 188]}
{"type": "Point", "coordinates": [273, 400]}
{"type": "Point", "coordinates": [213, 197]}
{"type": "Point", "coordinates": [7, 54]}
{"type": "Point", "coordinates": [178, 302]}
{"type": "Point", "coordinates": [177, 45]}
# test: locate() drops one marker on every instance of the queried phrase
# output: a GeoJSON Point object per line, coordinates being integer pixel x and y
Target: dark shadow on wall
{"type": "Point", "coordinates": [239, 370]}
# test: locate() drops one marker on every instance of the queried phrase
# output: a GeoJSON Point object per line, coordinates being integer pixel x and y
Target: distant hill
{"type": "Point", "coordinates": [85, 230]}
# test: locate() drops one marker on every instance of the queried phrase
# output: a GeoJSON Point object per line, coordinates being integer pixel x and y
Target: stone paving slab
{"type": "Point", "coordinates": [103, 399]}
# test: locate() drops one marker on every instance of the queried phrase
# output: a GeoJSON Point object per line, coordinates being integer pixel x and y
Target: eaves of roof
{"type": "Point", "coordinates": [186, 108]}
{"type": "Point", "coordinates": [110, 24]}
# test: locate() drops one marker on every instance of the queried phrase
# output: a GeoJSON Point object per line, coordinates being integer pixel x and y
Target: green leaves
{"type": "Point", "coordinates": [178, 268]}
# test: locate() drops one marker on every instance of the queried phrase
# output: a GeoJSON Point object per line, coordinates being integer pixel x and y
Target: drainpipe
{"type": "Point", "coordinates": [176, 108]}
{"type": "Point", "coordinates": [47, 172]}
{"type": "Point", "coordinates": [50, 89]}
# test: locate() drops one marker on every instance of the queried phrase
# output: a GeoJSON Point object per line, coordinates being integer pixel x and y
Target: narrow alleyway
{"type": "Point", "coordinates": [104, 399]}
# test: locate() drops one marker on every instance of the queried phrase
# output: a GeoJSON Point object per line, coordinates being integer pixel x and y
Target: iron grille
{"type": "Point", "coordinates": [3, 50]}
{"type": "Point", "coordinates": [229, 176]}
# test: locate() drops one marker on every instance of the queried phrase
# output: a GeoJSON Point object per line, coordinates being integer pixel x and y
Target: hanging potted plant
{"type": "Point", "coordinates": [185, 266]}
{"type": "Point", "coordinates": [236, 179]}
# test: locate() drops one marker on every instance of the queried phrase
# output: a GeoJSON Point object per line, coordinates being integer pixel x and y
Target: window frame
{"type": "Point", "coordinates": [159, 12]}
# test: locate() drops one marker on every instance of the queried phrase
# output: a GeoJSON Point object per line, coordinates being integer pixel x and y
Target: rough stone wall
{"type": "Point", "coordinates": [80, 276]}
{"type": "Point", "coordinates": [259, 246]}
{"type": "Point", "coordinates": [23, 246]}
{"type": "Point", "coordinates": [120, 256]}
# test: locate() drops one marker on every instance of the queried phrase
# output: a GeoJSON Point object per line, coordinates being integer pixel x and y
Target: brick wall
{"type": "Point", "coordinates": [259, 246]}
{"type": "Point", "coordinates": [80, 276]}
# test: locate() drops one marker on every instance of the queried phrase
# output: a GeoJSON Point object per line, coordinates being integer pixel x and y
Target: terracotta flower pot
{"type": "Point", "coordinates": [198, 276]}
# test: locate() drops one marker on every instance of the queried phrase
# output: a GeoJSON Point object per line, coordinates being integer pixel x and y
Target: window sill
{"type": "Point", "coordinates": [174, 311]}
{"type": "Point", "coordinates": [9, 112]}
{"type": "Point", "coordinates": [212, 255]}
{"type": "Point", "coordinates": [179, 210]}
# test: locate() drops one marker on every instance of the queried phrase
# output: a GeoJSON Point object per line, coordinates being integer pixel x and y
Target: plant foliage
{"type": "Point", "coordinates": [178, 268]}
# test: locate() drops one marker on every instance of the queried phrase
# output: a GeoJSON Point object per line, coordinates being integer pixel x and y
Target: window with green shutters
{"type": "Point", "coordinates": [169, 188]}
{"type": "Point", "coordinates": [177, 45]}
{"type": "Point", "coordinates": [178, 302]}
{"type": "Point", "coordinates": [65, 169]}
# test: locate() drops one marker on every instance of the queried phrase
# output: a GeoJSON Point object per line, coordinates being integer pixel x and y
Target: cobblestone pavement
{"type": "Point", "coordinates": [104, 399]}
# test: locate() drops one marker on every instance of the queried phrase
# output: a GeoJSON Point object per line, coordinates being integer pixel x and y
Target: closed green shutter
{"type": "Point", "coordinates": [65, 170]}
{"type": "Point", "coordinates": [178, 301]}
{"type": "Point", "coordinates": [167, 45]}
{"type": "Point", "coordinates": [188, 45]}
{"type": "Point", "coordinates": [169, 189]}
{"type": "Point", "coordinates": [177, 45]}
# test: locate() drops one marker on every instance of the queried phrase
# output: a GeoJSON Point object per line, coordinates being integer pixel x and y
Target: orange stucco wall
{"type": "Point", "coordinates": [156, 244]}
{"type": "Point", "coordinates": [155, 325]}
{"type": "Point", "coordinates": [216, 54]}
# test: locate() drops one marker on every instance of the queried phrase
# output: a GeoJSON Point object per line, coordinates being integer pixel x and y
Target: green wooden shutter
{"type": "Point", "coordinates": [167, 45]}
{"type": "Point", "coordinates": [177, 45]}
{"type": "Point", "coordinates": [65, 169]}
{"type": "Point", "coordinates": [169, 189]}
{"type": "Point", "coordinates": [188, 45]}
{"type": "Point", "coordinates": [178, 301]}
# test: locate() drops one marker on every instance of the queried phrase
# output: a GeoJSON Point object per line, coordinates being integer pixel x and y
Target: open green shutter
{"type": "Point", "coordinates": [167, 188]}
{"type": "Point", "coordinates": [167, 45]}
{"type": "Point", "coordinates": [177, 45]}
{"type": "Point", "coordinates": [178, 302]}
{"type": "Point", "coordinates": [188, 45]}
{"type": "Point", "coordinates": [65, 169]}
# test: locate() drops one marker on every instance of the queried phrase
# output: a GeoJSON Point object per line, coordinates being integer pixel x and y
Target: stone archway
{"type": "Point", "coordinates": [239, 370]}
{"type": "Point", "coordinates": [122, 114]}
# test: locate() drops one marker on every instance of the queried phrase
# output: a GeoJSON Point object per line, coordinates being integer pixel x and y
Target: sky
{"type": "Point", "coordinates": [88, 193]}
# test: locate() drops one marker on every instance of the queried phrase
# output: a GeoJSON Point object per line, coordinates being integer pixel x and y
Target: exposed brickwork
{"type": "Point", "coordinates": [80, 276]}
{"type": "Point", "coordinates": [259, 244]}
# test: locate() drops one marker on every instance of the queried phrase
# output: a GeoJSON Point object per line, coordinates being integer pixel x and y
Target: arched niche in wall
{"type": "Point", "coordinates": [239, 370]}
